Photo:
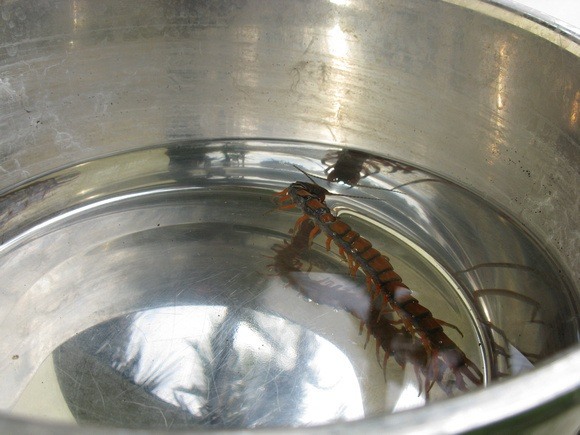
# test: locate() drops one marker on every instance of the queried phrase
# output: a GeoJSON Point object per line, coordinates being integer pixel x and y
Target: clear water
{"type": "Point", "coordinates": [140, 289]}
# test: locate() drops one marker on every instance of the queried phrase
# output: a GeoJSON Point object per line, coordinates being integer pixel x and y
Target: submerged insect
{"type": "Point", "coordinates": [288, 255]}
{"type": "Point", "coordinates": [349, 166]}
{"type": "Point", "coordinates": [382, 283]}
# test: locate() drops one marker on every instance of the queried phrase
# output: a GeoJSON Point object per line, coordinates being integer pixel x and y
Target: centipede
{"type": "Point", "coordinates": [396, 342]}
{"type": "Point", "coordinates": [382, 282]}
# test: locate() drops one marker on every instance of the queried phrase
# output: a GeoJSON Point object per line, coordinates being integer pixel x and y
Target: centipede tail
{"type": "Point", "coordinates": [384, 283]}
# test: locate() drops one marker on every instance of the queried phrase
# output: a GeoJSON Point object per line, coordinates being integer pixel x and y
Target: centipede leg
{"type": "Point", "coordinates": [369, 282]}
{"type": "Point", "coordinates": [283, 206]}
{"type": "Point", "coordinates": [300, 221]}
{"type": "Point", "coordinates": [280, 205]}
{"type": "Point", "coordinates": [434, 368]}
{"type": "Point", "coordinates": [419, 382]}
{"type": "Point", "coordinates": [477, 380]}
{"type": "Point", "coordinates": [459, 380]}
{"type": "Point", "coordinates": [350, 263]}
{"type": "Point", "coordinates": [385, 360]}
{"type": "Point", "coordinates": [378, 353]}
{"type": "Point", "coordinates": [395, 322]}
{"type": "Point", "coordinates": [429, 382]}
{"type": "Point", "coordinates": [385, 309]}
{"type": "Point", "coordinates": [428, 386]}
{"type": "Point", "coordinates": [313, 234]}
{"type": "Point", "coordinates": [377, 292]}
{"type": "Point", "coordinates": [410, 328]}
{"type": "Point", "coordinates": [368, 338]}
{"type": "Point", "coordinates": [449, 325]}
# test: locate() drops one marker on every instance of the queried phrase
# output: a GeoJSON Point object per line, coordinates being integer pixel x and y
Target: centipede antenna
{"type": "Point", "coordinates": [348, 196]}
{"type": "Point", "coordinates": [422, 180]}
{"type": "Point", "coordinates": [364, 186]}
{"type": "Point", "coordinates": [305, 173]}
{"type": "Point", "coordinates": [315, 176]}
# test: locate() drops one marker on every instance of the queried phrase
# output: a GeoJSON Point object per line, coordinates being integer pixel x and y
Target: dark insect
{"type": "Point", "coordinates": [349, 166]}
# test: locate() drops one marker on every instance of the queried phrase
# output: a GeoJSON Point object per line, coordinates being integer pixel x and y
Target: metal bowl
{"type": "Point", "coordinates": [487, 97]}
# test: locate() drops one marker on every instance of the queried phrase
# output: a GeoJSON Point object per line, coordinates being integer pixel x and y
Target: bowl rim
{"type": "Point", "coordinates": [485, 407]}
{"type": "Point", "coordinates": [496, 404]}
{"type": "Point", "coordinates": [553, 29]}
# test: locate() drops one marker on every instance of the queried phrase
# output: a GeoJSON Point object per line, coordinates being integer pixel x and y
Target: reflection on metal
{"type": "Point", "coordinates": [502, 75]}
{"type": "Point", "coordinates": [350, 166]}
{"type": "Point", "coordinates": [16, 202]}
{"type": "Point", "coordinates": [514, 320]}
{"type": "Point", "coordinates": [211, 366]}
{"type": "Point", "coordinates": [575, 111]}
{"type": "Point", "coordinates": [341, 2]}
{"type": "Point", "coordinates": [337, 42]}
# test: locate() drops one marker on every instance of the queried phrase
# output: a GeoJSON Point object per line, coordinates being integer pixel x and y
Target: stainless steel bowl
{"type": "Point", "coordinates": [487, 97]}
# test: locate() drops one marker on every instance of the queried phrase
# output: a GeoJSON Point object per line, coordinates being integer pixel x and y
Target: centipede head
{"type": "Point", "coordinates": [313, 189]}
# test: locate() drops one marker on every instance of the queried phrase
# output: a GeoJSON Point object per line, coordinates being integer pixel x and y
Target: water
{"type": "Point", "coordinates": [140, 290]}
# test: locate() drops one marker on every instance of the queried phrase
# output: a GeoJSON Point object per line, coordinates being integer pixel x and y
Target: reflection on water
{"type": "Point", "coordinates": [205, 365]}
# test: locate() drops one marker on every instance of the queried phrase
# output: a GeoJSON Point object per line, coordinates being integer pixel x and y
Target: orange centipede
{"type": "Point", "coordinates": [381, 280]}
{"type": "Point", "coordinates": [395, 342]}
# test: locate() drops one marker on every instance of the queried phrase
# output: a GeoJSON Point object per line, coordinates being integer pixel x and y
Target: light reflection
{"type": "Point", "coordinates": [338, 47]}
{"type": "Point", "coordinates": [75, 13]}
{"type": "Point", "coordinates": [501, 76]}
{"type": "Point", "coordinates": [337, 42]}
{"type": "Point", "coordinates": [575, 111]}
{"type": "Point", "coordinates": [259, 364]}
{"type": "Point", "coordinates": [519, 363]}
{"type": "Point", "coordinates": [340, 2]}
{"type": "Point", "coordinates": [76, 20]}
{"type": "Point", "coordinates": [335, 396]}
{"type": "Point", "coordinates": [497, 139]}
{"type": "Point", "coordinates": [411, 396]}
